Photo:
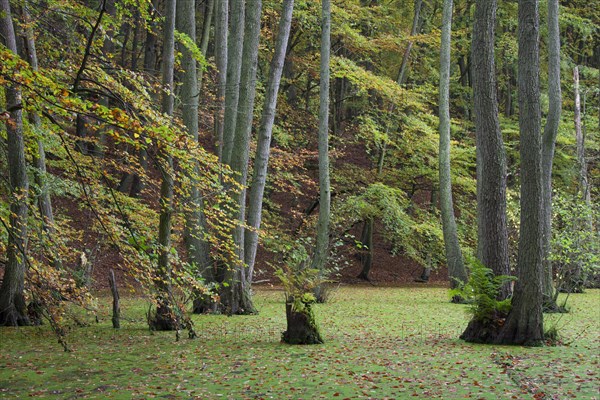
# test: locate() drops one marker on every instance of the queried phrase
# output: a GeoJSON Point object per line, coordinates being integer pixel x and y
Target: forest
{"type": "Point", "coordinates": [189, 188]}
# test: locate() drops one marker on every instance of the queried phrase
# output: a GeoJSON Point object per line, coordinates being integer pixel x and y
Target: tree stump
{"type": "Point", "coordinates": [116, 315]}
{"type": "Point", "coordinates": [301, 325]}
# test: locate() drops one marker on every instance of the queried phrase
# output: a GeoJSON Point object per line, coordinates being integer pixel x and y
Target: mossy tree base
{"type": "Point", "coordinates": [482, 331]}
{"type": "Point", "coordinates": [301, 326]}
{"type": "Point", "coordinates": [164, 319]}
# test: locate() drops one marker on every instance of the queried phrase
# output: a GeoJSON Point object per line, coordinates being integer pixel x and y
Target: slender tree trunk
{"type": "Point", "coordinates": [13, 310]}
{"type": "Point", "coordinates": [221, 22]}
{"type": "Point", "coordinates": [208, 16]}
{"type": "Point", "coordinates": [413, 32]}
{"type": "Point", "coordinates": [150, 57]}
{"type": "Point", "coordinates": [457, 272]}
{"type": "Point", "coordinates": [524, 324]}
{"type": "Point", "coordinates": [263, 146]}
{"type": "Point", "coordinates": [548, 144]}
{"type": "Point", "coordinates": [235, 43]}
{"type": "Point", "coordinates": [165, 318]}
{"type": "Point", "coordinates": [322, 244]}
{"type": "Point", "coordinates": [241, 150]}
{"type": "Point", "coordinates": [44, 202]}
{"type": "Point", "coordinates": [366, 258]}
{"type": "Point", "coordinates": [195, 221]}
{"type": "Point", "coordinates": [574, 278]}
{"type": "Point", "coordinates": [492, 246]}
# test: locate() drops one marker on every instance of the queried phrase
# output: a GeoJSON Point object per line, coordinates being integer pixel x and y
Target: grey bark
{"type": "Point", "coordinates": [322, 243]}
{"type": "Point", "coordinates": [263, 146]}
{"type": "Point", "coordinates": [457, 272]}
{"type": "Point", "coordinates": [241, 149]}
{"type": "Point", "coordinates": [116, 310]}
{"type": "Point", "coordinates": [13, 310]}
{"type": "Point", "coordinates": [44, 201]}
{"type": "Point", "coordinates": [580, 141]}
{"type": "Point", "coordinates": [548, 145]}
{"type": "Point", "coordinates": [492, 246]}
{"type": "Point", "coordinates": [524, 324]}
{"type": "Point", "coordinates": [150, 56]}
{"type": "Point", "coordinates": [195, 220]}
{"type": "Point", "coordinates": [413, 32]}
{"type": "Point", "coordinates": [235, 42]}
{"type": "Point", "coordinates": [221, 22]}
{"type": "Point", "coordinates": [164, 319]}
{"type": "Point", "coordinates": [208, 16]}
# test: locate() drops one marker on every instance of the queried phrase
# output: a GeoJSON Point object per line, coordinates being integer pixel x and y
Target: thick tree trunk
{"type": "Point", "coordinates": [221, 22]}
{"type": "Point", "coordinates": [457, 272]}
{"type": "Point", "coordinates": [13, 310]}
{"type": "Point", "coordinates": [301, 325]}
{"type": "Point", "coordinates": [195, 221]}
{"type": "Point", "coordinates": [524, 324]}
{"type": "Point", "coordinates": [492, 246]}
{"type": "Point", "coordinates": [322, 243]}
{"type": "Point", "coordinates": [165, 318]}
{"type": "Point", "coordinates": [263, 146]}
{"type": "Point", "coordinates": [548, 144]}
{"type": "Point", "coordinates": [241, 148]}
{"type": "Point", "coordinates": [235, 42]}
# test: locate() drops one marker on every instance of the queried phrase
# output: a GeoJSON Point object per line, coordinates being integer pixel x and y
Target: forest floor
{"type": "Point", "coordinates": [384, 342]}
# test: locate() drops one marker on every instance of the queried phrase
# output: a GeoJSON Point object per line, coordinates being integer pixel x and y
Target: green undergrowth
{"type": "Point", "coordinates": [380, 343]}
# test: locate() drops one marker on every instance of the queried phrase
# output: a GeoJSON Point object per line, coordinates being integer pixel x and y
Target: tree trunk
{"type": "Point", "coordinates": [574, 278]}
{"type": "Point", "coordinates": [524, 324]}
{"type": "Point", "coordinates": [301, 325]}
{"type": "Point", "coordinates": [492, 247]}
{"type": "Point", "coordinates": [165, 319]}
{"type": "Point", "coordinates": [322, 243]}
{"type": "Point", "coordinates": [261, 160]}
{"type": "Point", "coordinates": [195, 221]}
{"type": "Point", "coordinates": [413, 32]}
{"type": "Point", "coordinates": [457, 272]}
{"type": "Point", "coordinates": [241, 147]}
{"type": "Point", "coordinates": [116, 311]}
{"type": "Point", "coordinates": [208, 16]}
{"type": "Point", "coordinates": [221, 22]}
{"type": "Point", "coordinates": [44, 202]}
{"type": "Point", "coordinates": [13, 310]}
{"type": "Point", "coordinates": [137, 185]}
{"type": "Point", "coordinates": [548, 144]}
{"type": "Point", "coordinates": [366, 258]}
{"type": "Point", "coordinates": [235, 47]}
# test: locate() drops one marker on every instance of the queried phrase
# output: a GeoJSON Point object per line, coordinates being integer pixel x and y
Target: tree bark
{"type": "Point", "coordinates": [301, 325]}
{"type": "Point", "coordinates": [208, 17]}
{"type": "Point", "coordinates": [44, 201]}
{"type": "Point", "coordinates": [221, 22]}
{"type": "Point", "coordinates": [524, 324]}
{"type": "Point", "coordinates": [322, 243]}
{"type": "Point", "coordinates": [366, 257]}
{"type": "Point", "coordinates": [261, 160]}
{"type": "Point", "coordinates": [235, 47]}
{"type": "Point", "coordinates": [13, 310]}
{"type": "Point", "coordinates": [548, 145]}
{"type": "Point", "coordinates": [413, 32]}
{"type": "Point", "coordinates": [492, 246]}
{"type": "Point", "coordinates": [241, 150]}
{"type": "Point", "coordinates": [457, 272]}
{"type": "Point", "coordinates": [116, 311]}
{"type": "Point", "coordinates": [165, 318]}
{"type": "Point", "coordinates": [195, 221]}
